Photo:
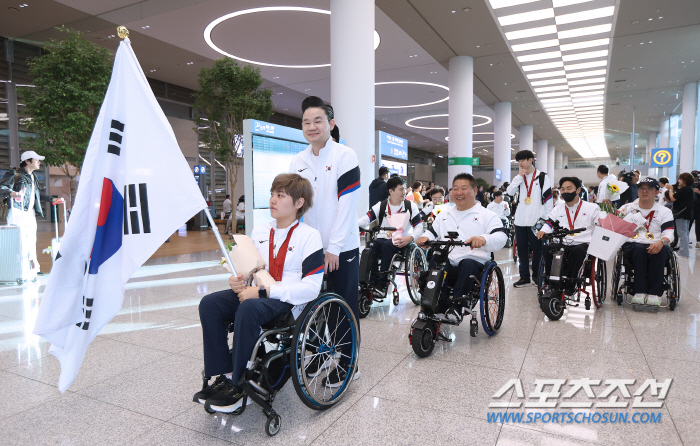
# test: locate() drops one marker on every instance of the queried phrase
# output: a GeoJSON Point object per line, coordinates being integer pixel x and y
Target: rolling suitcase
{"type": "Point", "coordinates": [10, 254]}
{"type": "Point", "coordinates": [56, 242]}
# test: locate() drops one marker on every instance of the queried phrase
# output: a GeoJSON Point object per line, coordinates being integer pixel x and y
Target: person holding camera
{"type": "Point", "coordinates": [632, 193]}
{"type": "Point", "coordinates": [681, 194]}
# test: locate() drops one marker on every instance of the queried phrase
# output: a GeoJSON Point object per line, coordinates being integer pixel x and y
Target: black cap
{"type": "Point", "coordinates": [653, 182]}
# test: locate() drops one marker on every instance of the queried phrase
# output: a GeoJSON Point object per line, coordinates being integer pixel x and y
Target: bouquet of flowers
{"type": "Point", "coordinates": [612, 190]}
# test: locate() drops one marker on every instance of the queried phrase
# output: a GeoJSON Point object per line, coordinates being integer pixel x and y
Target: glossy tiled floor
{"type": "Point", "coordinates": [136, 384]}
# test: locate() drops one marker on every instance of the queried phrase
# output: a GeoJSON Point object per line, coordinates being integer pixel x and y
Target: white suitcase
{"type": "Point", "coordinates": [10, 254]}
{"type": "Point", "coordinates": [56, 242]}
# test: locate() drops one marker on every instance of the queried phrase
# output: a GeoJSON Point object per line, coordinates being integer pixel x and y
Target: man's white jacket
{"type": "Point", "coordinates": [335, 177]}
{"type": "Point", "coordinates": [475, 221]}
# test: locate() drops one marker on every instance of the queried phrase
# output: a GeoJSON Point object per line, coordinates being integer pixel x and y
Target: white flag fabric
{"type": "Point", "coordinates": [135, 190]}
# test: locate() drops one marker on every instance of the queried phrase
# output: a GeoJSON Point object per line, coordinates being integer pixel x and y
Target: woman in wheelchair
{"type": "Point", "coordinates": [295, 260]}
{"type": "Point", "coordinates": [572, 213]}
{"type": "Point", "coordinates": [648, 250]}
{"type": "Point", "coordinates": [386, 244]}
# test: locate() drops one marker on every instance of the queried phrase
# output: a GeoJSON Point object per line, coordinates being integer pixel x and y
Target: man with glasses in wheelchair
{"type": "Point", "coordinates": [384, 246]}
{"type": "Point", "coordinates": [467, 218]}
{"type": "Point", "coordinates": [572, 213]}
{"type": "Point", "coordinates": [649, 249]}
{"type": "Point", "coordinates": [294, 254]}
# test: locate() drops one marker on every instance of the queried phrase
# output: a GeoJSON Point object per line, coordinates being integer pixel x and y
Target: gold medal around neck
{"type": "Point", "coordinates": [388, 234]}
{"type": "Point", "coordinates": [636, 235]}
{"type": "Point", "coordinates": [528, 200]}
{"type": "Point", "coordinates": [650, 236]}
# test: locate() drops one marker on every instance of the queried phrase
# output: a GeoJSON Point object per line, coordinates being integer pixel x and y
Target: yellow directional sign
{"type": "Point", "coordinates": [661, 157]}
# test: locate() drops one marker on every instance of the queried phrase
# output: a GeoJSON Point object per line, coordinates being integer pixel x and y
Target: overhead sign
{"type": "Point", "coordinates": [200, 170]}
{"type": "Point", "coordinates": [278, 131]}
{"type": "Point", "coordinates": [393, 146]}
{"type": "Point", "coordinates": [661, 157]}
{"type": "Point", "coordinates": [498, 174]}
{"type": "Point", "coordinates": [395, 167]}
{"type": "Point", "coordinates": [463, 161]}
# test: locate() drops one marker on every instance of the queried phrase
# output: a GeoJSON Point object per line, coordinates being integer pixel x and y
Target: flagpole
{"type": "Point", "coordinates": [221, 242]}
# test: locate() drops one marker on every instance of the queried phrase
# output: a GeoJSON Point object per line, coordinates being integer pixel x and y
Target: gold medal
{"type": "Point", "coordinates": [388, 234]}
{"type": "Point", "coordinates": [650, 236]}
{"type": "Point", "coordinates": [573, 235]}
{"type": "Point", "coordinates": [528, 200]}
{"type": "Point", "coordinates": [636, 235]}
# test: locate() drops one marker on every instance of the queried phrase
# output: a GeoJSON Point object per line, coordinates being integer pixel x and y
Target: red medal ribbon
{"type": "Point", "coordinates": [568, 216]}
{"type": "Point", "coordinates": [529, 190]}
{"type": "Point", "coordinates": [277, 263]}
{"type": "Point", "coordinates": [648, 219]}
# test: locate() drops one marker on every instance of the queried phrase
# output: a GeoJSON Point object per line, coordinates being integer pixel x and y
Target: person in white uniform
{"type": "Point", "coordinates": [605, 178]}
{"type": "Point", "coordinates": [499, 207]}
{"type": "Point", "coordinates": [571, 213]}
{"type": "Point", "coordinates": [21, 189]}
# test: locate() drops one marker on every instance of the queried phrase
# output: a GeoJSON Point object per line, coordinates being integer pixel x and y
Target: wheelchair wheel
{"type": "Point", "coordinates": [422, 341]}
{"type": "Point", "coordinates": [674, 291]}
{"type": "Point", "coordinates": [616, 275]}
{"type": "Point", "coordinates": [273, 424]}
{"type": "Point", "coordinates": [326, 329]}
{"type": "Point", "coordinates": [492, 299]}
{"type": "Point", "coordinates": [415, 263]}
{"type": "Point", "coordinates": [515, 251]}
{"type": "Point", "coordinates": [553, 308]}
{"type": "Point", "coordinates": [541, 283]}
{"type": "Point", "coordinates": [365, 304]}
{"type": "Point", "coordinates": [599, 281]}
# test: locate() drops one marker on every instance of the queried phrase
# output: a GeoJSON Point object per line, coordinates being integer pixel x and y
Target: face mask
{"type": "Point", "coordinates": [568, 196]}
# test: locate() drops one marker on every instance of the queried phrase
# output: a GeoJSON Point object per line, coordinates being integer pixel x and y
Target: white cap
{"type": "Point", "coordinates": [31, 155]}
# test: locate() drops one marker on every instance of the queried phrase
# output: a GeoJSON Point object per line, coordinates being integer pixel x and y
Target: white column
{"type": "Point", "coordinates": [665, 138]}
{"type": "Point", "coordinates": [526, 142]}
{"type": "Point", "coordinates": [501, 142]}
{"type": "Point", "coordinates": [690, 108]}
{"type": "Point", "coordinates": [541, 163]}
{"type": "Point", "coordinates": [550, 163]}
{"type": "Point", "coordinates": [461, 115]}
{"type": "Point", "coordinates": [651, 145]}
{"type": "Point", "coordinates": [352, 82]}
{"type": "Point", "coordinates": [565, 161]}
{"type": "Point", "coordinates": [558, 160]}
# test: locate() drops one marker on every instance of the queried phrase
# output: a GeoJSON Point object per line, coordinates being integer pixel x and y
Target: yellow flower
{"type": "Point", "coordinates": [614, 188]}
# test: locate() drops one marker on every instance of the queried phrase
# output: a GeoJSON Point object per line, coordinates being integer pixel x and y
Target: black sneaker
{"type": "Point", "coordinates": [225, 399]}
{"type": "Point", "coordinates": [209, 391]}
{"type": "Point", "coordinates": [522, 283]}
{"type": "Point", "coordinates": [336, 378]}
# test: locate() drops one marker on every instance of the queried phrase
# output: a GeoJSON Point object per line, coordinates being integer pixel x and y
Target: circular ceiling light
{"type": "Point", "coordinates": [408, 123]}
{"type": "Point", "coordinates": [210, 27]}
{"type": "Point", "coordinates": [416, 105]}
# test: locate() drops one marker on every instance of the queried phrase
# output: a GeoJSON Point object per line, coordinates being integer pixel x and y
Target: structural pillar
{"type": "Point", "coordinates": [526, 140]}
{"type": "Point", "coordinates": [461, 115]}
{"type": "Point", "coordinates": [565, 161]}
{"type": "Point", "coordinates": [665, 138]}
{"type": "Point", "coordinates": [690, 108]}
{"type": "Point", "coordinates": [352, 82]}
{"type": "Point", "coordinates": [541, 163]}
{"type": "Point", "coordinates": [550, 163]}
{"type": "Point", "coordinates": [501, 143]}
{"type": "Point", "coordinates": [651, 145]}
{"type": "Point", "coordinates": [559, 160]}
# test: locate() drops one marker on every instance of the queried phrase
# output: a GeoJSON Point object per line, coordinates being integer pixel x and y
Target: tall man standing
{"type": "Point", "coordinates": [534, 202]}
{"type": "Point", "coordinates": [334, 173]}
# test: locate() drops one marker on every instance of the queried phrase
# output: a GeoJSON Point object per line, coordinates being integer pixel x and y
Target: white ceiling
{"type": "Point", "coordinates": [426, 29]}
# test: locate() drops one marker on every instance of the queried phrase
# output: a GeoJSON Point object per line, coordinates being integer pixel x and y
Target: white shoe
{"type": "Point", "coordinates": [697, 245]}
{"type": "Point", "coordinates": [654, 300]}
{"type": "Point", "coordinates": [639, 299]}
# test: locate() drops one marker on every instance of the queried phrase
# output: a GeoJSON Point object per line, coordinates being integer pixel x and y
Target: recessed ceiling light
{"type": "Point", "coordinates": [540, 56]}
{"type": "Point", "coordinates": [531, 32]}
{"type": "Point", "coordinates": [587, 81]}
{"type": "Point", "coordinates": [535, 45]}
{"type": "Point", "coordinates": [524, 17]}
{"type": "Point", "coordinates": [549, 82]}
{"type": "Point", "coordinates": [588, 87]}
{"type": "Point", "coordinates": [543, 66]}
{"type": "Point", "coordinates": [561, 3]}
{"type": "Point", "coordinates": [546, 74]}
{"type": "Point", "coordinates": [586, 44]}
{"type": "Point", "coordinates": [588, 55]}
{"type": "Point", "coordinates": [496, 4]}
{"type": "Point", "coordinates": [554, 88]}
{"type": "Point", "coordinates": [588, 30]}
{"type": "Point", "coordinates": [553, 94]}
{"type": "Point", "coordinates": [586, 74]}
{"type": "Point", "coordinates": [586, 65]}
{"type": "Point", "coordinates": [585, 15]}
{"type": "Point", "coordinates": [145, 27]}
{"type": "Point", "coordinates": [466, 9]}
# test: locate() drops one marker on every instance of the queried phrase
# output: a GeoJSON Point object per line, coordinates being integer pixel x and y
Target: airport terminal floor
{"type": "Point", "coordinates": [136, 384]}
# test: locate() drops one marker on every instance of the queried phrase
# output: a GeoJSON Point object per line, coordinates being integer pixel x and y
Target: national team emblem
{"type": "Point", "coordinates": [328, 168]}
{"type": "Point", "coordinates": [476, 218]}
{"type": "Point", "coordinates": [290, 249]}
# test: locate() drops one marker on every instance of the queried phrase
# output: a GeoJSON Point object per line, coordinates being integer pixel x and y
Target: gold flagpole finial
{"type": "Point", "coordinates": [122, 32]}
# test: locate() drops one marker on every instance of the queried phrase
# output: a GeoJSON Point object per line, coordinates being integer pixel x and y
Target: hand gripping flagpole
{"type": "Point", "coordinates": [221, 242]}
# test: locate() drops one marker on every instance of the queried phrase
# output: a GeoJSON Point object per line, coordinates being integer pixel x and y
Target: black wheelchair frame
{"type": "Point", "coordinates": [284, 349]}
{"type": "Point", "coordinates": [623, 281]}
{"type": "Point", "coordinates": [411, 257]}
{"type": "Point", "coordinates": [551, 290]}
{"type": "Point", "coordinates": [488, 292]}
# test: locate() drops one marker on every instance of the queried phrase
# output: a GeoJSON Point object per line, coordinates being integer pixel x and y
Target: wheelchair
{"type": "Point", "coordinates": [551, 289]}
{"type": "Point", "coordinates": [510, 231]}
{"type": "Point", "coordinates": [411, 259]}
{"type": "Point", "coordinates": [623, 280]}
{"type": "Point", "coordinates": [284, 350]}
{"type": "Point", "coordinates": [488, 291]}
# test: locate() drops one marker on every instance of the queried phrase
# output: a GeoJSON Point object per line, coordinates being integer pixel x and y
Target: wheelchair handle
{"type": "Point", "coordinates": [377, 229]}
{"type": "Point", "coordinates": [446, 242]}
{"type": "Point", "coordinates": [563, 232]}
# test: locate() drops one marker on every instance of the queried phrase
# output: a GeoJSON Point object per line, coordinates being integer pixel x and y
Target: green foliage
{"type": "Point", "coordinates": [70, 78]}
{"type": "Point", "coordinates": [482, 182]}
{"type": "Point", "coordinates": [229, 93]}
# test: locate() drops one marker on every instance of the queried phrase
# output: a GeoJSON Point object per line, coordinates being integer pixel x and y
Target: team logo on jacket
{"type": "Point", "coordinates": [290, 249]}
{"type": "Point", "coordinates": [328, 168]}
{"type": "Point", "coordinates": [262, 241]}
{"type": "Point", "coordinates": [476, 218]}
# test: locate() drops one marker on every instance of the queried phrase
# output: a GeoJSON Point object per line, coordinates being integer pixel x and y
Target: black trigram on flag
{"type": "Point", "coordinates": [136, 218]}
{"type": "Point", "coordinates": [115, 137]}
{"type": "Point", "coordinates": [87, 312]}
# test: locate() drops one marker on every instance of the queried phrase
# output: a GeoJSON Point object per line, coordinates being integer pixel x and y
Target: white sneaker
{"type": "Point", "coordinates": [697, 245]}
{"type": "Point", "coordinates": [639, 299]}
{"type": "Point", "coordinates": [654, 300]}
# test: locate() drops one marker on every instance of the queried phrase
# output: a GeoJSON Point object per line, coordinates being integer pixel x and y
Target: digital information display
{"type": "Point", "coordinates": [395, 167]}
{"type": "Point", "coordinates": [393, 146]}
{"type": "Point", "coordinates": [271, 157]}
